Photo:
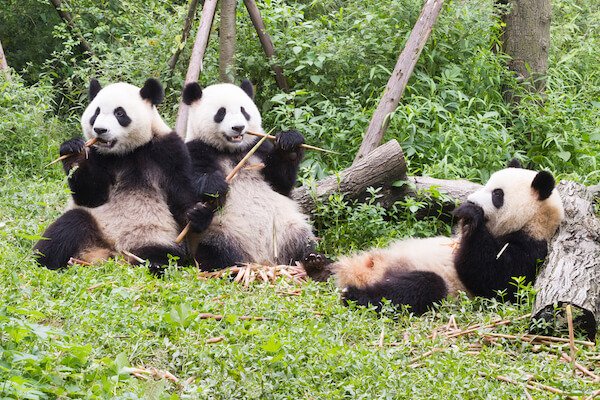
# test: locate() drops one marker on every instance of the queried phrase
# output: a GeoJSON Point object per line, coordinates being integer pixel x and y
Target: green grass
{"type": "Point", "coordinates": [78, 333]}
{"type": "Point", "coordinates": [75, 333]}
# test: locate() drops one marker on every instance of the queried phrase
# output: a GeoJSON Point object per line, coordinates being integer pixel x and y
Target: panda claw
{"type": "Point", "coordinates": [289, 140]}
{"type": "Point", "coordinates": [73, 146]}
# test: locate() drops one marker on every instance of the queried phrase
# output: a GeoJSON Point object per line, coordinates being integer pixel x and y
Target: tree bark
{"type": "Point", "coordinates": [66, 17]}
{"type": "Point", "coordinates": [526, 39]}
{"type": "Point", "coordinates": [399, 79]}
{"type": "Point", "coordinates": [267, 44]}
{"type": "Point", "coordinates": [195, 66]}
{"type": "Point", "coordinates": [4, 63]}
{"type": "Point", "coordinates": [571, 274]}
{"type": "Point", "coordinates": [227, 41]}
{"type": "Point", "coordinates": [384, 165]}
{"type": "Point", "coordinates": [187, 26]}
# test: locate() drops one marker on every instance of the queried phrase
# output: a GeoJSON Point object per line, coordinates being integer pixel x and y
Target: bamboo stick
{"type": "Point", "coordinates": [89, 143]}
{"type": "Point", "coordinates": [304, 146]}
{"type": "Point", "coordinates": [228, 179]}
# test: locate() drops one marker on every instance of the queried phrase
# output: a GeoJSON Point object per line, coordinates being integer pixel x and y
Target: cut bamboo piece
{"type": "Point", "coordinates": [89, 143]}
{"type": "Point", "coordinates": [304, 146]}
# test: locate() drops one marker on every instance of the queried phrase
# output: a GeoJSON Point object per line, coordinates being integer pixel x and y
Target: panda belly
{"type": "Point", "coordinates": [265, 226]}
{"type": "Point", "coordinates": [370, 268]}
{"type": "Point", "coordinates": [135, 217]}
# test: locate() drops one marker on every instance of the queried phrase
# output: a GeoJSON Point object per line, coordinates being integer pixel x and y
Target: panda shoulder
{"type": "Point", "coordinates": [169, 142]}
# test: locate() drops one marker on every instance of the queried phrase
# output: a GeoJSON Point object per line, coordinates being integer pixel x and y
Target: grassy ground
{"type": "Point", "coordinates": [79, 332]}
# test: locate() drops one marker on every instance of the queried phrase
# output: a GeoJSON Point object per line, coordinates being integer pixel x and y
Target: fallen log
{"type": "Point", "coordinates": [571, 274]}
{"type": "Point", "coordinates": [384, 165]}
{"type": "Point", "coordinates": [380, 169]}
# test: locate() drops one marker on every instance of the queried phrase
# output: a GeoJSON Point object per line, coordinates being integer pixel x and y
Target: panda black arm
{"type": "Point", "coordinates": [283, 160]}
{"type": "Point", "coordinates": [89, 179]}
{"type": "Point", "coordinates": [483, 266]}
{"type": "Point", "coordinates": [207, 177]}
{"type": "Point", "coordinates": [170, 153]}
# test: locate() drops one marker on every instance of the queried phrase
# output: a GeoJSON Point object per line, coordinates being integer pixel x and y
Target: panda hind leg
{"type": "Point", "coordinates": [73, 234]}
{"type": "Point", "coordinates": [158, 256]}
{"type": "Point", "coordinates": [212, 257]}
{"type": "Point", "coordinates": [317, 266]}
{"type": "Point", "coordinates": [417, 289]}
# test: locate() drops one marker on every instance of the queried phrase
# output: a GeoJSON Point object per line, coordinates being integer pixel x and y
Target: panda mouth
{"type": "Point", "coordinates": [234, 139]}
{"type": "Point", "coordinates": [109, 144]}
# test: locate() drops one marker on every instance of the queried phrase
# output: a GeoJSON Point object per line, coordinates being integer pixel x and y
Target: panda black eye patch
{"type": "Point", "coordinates": [121, 116]}
{"type": "Point", "coordinates": [220, 115]}
{"type": "Point", "coordinates": [246, 115]}
{"type": "Point", "coordinates": [93, 119]}
{"type": "Point", "coordinates": [498, 198]}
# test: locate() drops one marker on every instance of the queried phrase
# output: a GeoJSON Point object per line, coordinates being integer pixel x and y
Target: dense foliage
{"type": "Point", "coordinates": [77, 333]}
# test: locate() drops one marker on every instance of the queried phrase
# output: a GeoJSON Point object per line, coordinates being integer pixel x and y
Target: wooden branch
{"type": "Point", "coordinates": [66, 17]}
{"type": "Point", "coordinates": [195, 66]}
{"type": "Point", "coordinates": [385, 164]}
{"type": "Point", "coordinates": [227, 40]}
{"type": "Point", "coordinates": [267, 44]}
{"type": "Point", "coordinates": [189, 19]}
{"type": "Point", "coordinates": [400, 76]}
{"type": "Point", "coordinates": [571, 274]}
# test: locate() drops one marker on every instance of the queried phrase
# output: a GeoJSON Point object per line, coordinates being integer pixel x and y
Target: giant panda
{"type": "Point", "coordinates": [130, 190]}
{"type": "Point", "coordinates": [503, 232]}
{"type": "Point", "coordinates": [252, 219]}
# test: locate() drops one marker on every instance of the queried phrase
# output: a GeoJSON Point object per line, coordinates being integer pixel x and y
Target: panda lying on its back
{"type": "Point", "coordinates": [254, 220]}
{"type": "Point", "coordinates": [130, 191]}
{"type": "Point", "coordinates": [503, 233]}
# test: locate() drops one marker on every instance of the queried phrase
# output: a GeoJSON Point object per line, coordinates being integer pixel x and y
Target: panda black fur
{"type": "Point", "coordinates": [252, 219]}
{"type": "Point", "coordinates": [503, 232]}
{"type": "Point", "coordinates": [130, 190]}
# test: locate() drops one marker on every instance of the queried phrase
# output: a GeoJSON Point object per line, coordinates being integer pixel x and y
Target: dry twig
{"type": "Point", "coordinates": [571, 335]}
{"type": "Point", "coordinates": [580, 367]}
{"type": "Point", "coordinates": [538, 338]}
{"type": "Point", "coordinates": [215, 340]}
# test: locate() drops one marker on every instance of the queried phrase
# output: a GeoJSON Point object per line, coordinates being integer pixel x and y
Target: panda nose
{"type": "Point", "coordinates": [100, 131]}
{"type": "Point", "coordinates": [238, 128]}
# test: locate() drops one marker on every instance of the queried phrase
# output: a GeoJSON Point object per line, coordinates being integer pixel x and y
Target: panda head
{"type": "Point", "coordinates": [123, 117]}
{"type": "Point", "coordinates": [221, 114]}
{"type": "Point", "coordinates": [515, 198]}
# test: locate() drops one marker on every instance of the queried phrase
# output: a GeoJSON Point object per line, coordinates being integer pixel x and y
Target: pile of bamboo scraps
{"type": "Point", "coordinates": [251, 272]}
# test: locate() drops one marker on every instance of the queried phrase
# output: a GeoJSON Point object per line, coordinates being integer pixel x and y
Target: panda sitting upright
{"type": "Point", "coordinates": [504, 229]}
{"type": "Point", "coordinates": [130, 190]}
{"type": "Point", "coordinates": [252, 219]}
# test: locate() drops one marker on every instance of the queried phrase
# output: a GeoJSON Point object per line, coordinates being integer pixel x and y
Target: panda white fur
{"type": "Point", "coordinates": [252, 219]}
{"type": "Point", "coordinates": [130, 190]}
{"type": "Point", "coordinates": [503, 232]}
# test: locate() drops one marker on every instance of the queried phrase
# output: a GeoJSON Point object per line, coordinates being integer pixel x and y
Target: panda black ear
{"type": "Point", "coordinates": [543, 183]}
{"type": "Point", "coordinates": [94, 88]}
{"type": "Point", "coordinates": [248, 88]}
{"type": "Point", "coordinates": [152, 91]}
{"type": "Point", "coordinates": [192, 92]}
{"type": "Point", "coordinates": [514, 163]}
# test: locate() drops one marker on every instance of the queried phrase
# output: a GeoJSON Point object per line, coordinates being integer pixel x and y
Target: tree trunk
{"type": "Point", "coordinates": [399, 79]}
{"type": "Point", "coordinates": [3, 63]}
{"type": "Point", "coordinates": [267, 44]}
{"type": "Point", "coordinates": [189, 19]}
{"type": "Point", "coordinates": [227, 41]}
{"type": "Point", "coordinates": [66, 17]}
{"type": "Point", "coordinates": [571, 274]}
{"type": "Point", "coordinates": [526, 39]}
{"type": "Point", "coordinates": [195, 66]}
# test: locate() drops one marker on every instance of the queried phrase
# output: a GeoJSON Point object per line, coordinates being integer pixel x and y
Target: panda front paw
{"type": "Point", "coordinates": [471, 215]}
{"type": "Point", "coordinates": [73, 146]}
{"type": "Point", "coordinates": [289, 140]}
{"type": "Point", "coordinates": [200, 217]}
